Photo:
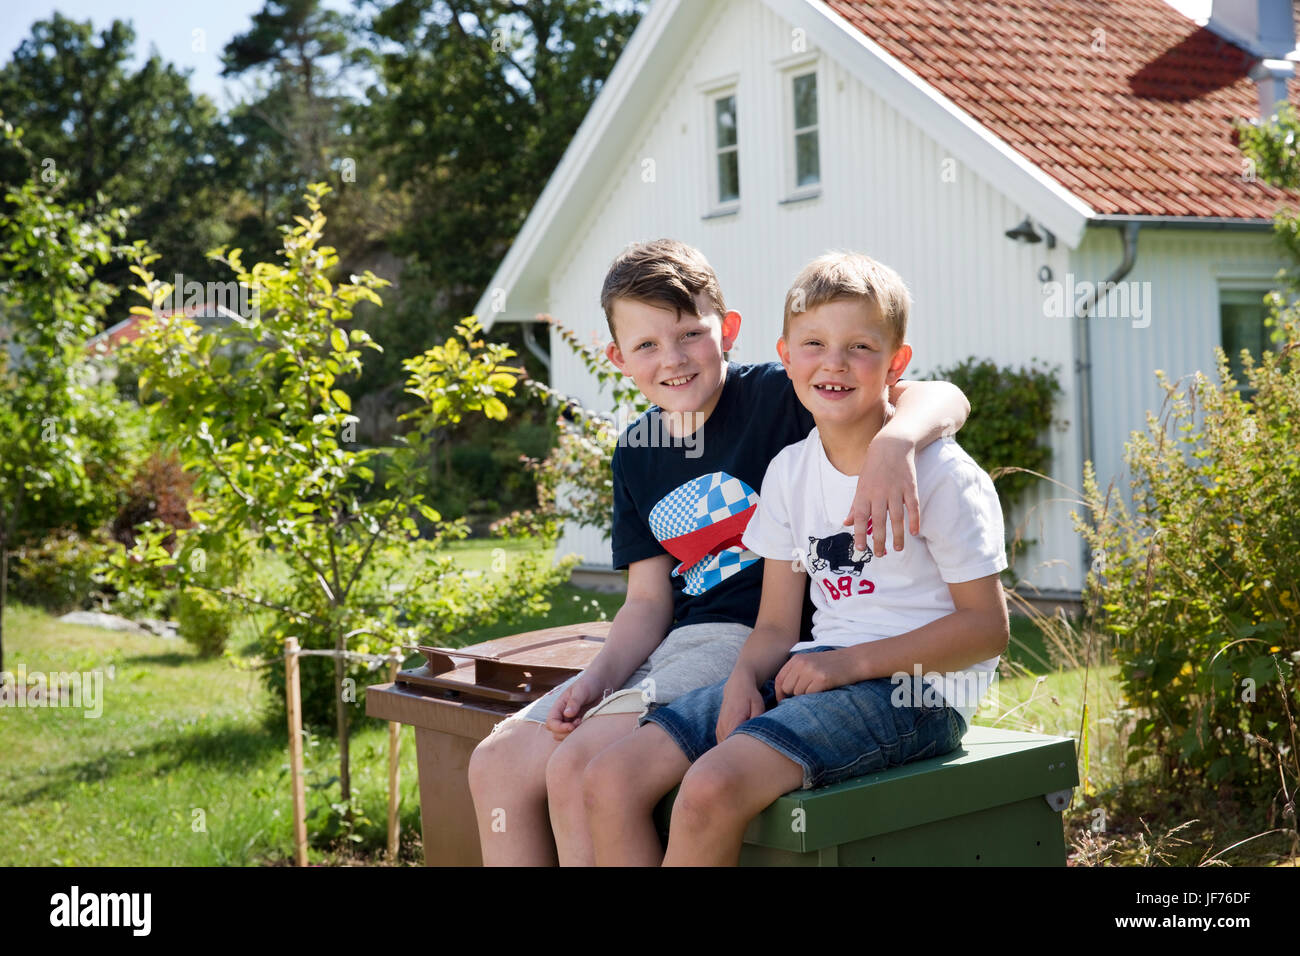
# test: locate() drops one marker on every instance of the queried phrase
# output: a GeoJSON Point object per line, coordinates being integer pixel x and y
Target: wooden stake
{"type": "Point", "coordinates": [394, 754]}
{"type": "Point", "coordinates": [293, 697]}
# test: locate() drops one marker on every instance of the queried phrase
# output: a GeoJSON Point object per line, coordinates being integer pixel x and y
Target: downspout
{"type": "Point", "coordinates": [530, 343]}
{"type": "Point", "coordinates": [1083, 347]}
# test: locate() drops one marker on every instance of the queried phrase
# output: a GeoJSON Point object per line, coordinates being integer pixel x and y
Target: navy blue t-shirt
{"type": "Point", "coordinates": [692, 496]}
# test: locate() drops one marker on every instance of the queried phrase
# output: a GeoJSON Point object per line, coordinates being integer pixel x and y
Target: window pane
{"type": "Point", "coordinates": [725, 113]}
{"type": "Point", "coordinates": [1243, 328]}
{"type": "Point", "coordinates": [805, 100]}
{"type": "Point", "coordinates": [807, 161]}
{"type": "Point", "coordinates": [728, 176]}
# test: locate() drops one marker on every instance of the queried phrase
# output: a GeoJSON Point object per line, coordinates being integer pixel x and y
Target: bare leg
{"type": "Point", "coordinates": [725, 789]}
{"type": "Point", "coordinates": [622, 786]}
{"type": "Point", "coordinates": [507, 777]}
{"type": "Point", "coordinates": [564, 774]}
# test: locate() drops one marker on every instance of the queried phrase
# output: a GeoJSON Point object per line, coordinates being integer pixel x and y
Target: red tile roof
{"type": "Point", "coordinates": [1140, 125]}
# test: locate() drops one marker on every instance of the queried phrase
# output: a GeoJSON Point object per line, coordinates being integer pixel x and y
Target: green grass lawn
{"type": "Point", "coordinates": [177, 735]}
{"type": "Point", "coordinates": [165, 774]}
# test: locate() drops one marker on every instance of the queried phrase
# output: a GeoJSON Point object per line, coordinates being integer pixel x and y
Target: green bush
{"type": "Point", "coordinates": [203, 621]}
{"type": "Point", "coordinates": [110, 435]}
{"type": "Point", "coordinates": [59, 574]}
{"type": "Point", "coordinates": [1199, 582]}
{"type": "Point", "coordinates": [204, 615]}
{"type": "Point", "coordinates": [573, 481]}
{"type": "Point", "coordinates": [1011, 408]}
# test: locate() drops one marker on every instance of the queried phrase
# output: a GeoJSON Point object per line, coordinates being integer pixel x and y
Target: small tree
{"type": "Point", "coordinates": [52, 411]}
{"type": "Point", "coordinates": [256, 413]}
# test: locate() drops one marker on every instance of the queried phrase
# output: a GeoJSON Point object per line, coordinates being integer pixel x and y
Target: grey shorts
{"type": "Point", "coordinates": [693, 656]}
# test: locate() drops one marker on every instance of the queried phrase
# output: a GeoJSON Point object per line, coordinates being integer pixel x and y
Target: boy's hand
{"type": "Point", "coordinates": [807, 673]}
{"type": "Point", "coordinates": [566, 713]}
{"type": "Point", "coordinates": [886, 488]}
{"type": "Point", "coordinates": [740, 701]}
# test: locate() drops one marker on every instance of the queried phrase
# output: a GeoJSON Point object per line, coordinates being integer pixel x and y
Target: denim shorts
{"type": "Point", "coordinates": [834, 735]}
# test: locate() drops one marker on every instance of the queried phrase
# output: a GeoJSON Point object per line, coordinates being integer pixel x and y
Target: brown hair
{"type": "Point", "coordinates": [851, 275]}
{"type": "Point", "coordinates": [665, 272]}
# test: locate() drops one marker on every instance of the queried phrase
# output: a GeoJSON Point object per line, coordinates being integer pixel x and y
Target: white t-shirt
{"type": "Point", "coordinates": [800, 517]}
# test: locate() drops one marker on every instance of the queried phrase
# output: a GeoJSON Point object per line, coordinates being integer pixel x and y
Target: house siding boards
{"type": "Point", "coordinates": [1186, 270]}
{"type": "Point", "coordinates": [975, 291]}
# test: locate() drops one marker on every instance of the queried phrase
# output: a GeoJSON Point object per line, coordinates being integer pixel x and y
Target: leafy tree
{"type": "Point", "coordinates": [59, 443]}
{"type": "Point", "coordinates": [476, 103]}
{"type": "Point", "coordinates": [137, 135]}
{"type": "Point", "coordinates": [256, 412]}
{"type": "Point", "coordinates": [296, 126]}
{"type": "Point", "coordinates": [299, 48]}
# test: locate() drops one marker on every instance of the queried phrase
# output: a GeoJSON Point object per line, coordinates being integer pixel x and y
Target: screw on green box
{"type": "Point", "coordinates": [995, 801]}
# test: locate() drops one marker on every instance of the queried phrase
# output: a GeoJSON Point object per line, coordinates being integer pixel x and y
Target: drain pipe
{"type": "Point", "coordinates": [1083, 347]}
{"type": "Point", "coordinates": [530, 343]}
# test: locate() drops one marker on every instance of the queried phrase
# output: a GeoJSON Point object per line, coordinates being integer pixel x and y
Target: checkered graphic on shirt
{"type": "Point", "coordinates": [717, 569]}
{"type": "Point", "coordinates": [699, 503]}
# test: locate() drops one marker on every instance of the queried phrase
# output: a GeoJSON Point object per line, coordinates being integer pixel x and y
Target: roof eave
{"type": "Point", "coordinates": [1230, 223]}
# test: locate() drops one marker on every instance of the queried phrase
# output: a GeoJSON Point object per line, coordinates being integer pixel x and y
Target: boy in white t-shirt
{"type": "Point", "coordinates": [904, 644]}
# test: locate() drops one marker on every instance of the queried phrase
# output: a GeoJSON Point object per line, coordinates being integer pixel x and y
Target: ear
{"type": "Point", "coordinates": [898, 364]}
{"type": "Point", "coordinates": [783, 350]}
{"type": "Point", "coordinates": [730, 329]}
{"type": "Point", "coordinates": [615, 355]}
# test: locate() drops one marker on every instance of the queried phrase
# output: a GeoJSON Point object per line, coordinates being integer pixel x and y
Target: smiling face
{"type": "Point", "coordinates": [842, 359]}
{"type": "Point", "coordinates": [675, 359]}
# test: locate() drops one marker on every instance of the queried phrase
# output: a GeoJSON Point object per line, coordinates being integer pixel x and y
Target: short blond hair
{"type": "Point", "coordinates": [836, 276]}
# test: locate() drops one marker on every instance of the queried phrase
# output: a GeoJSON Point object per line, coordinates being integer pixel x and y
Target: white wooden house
{"type": "Point", "coordinates": [1000, 155]}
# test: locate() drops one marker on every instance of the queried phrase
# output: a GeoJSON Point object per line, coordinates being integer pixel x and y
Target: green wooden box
{"type": "Point", "coordinates": [994, 801]}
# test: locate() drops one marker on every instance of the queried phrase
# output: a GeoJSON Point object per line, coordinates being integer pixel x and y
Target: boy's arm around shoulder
{"type": "Point", "coordinates": [924, 412]}
{"type": "Point", "coordinates": [637, 629]}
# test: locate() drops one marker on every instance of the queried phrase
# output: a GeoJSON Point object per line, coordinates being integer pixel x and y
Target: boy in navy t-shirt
{"type": "Point", "coordinates": [685, 480]}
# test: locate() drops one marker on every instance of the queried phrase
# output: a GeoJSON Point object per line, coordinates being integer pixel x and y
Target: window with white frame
{"type": "Point", "coordinates": [1241, 323]}
{"type": "Point", "coordinates": [726, 149]}
{"type": "Point", "coordinates": [807, 147]}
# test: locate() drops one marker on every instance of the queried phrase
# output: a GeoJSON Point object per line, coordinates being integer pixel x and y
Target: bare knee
{"type": "Point", "coordinates": [506, 759]}
{"type": "Point", "coordinates": [611, 782]}
{"type": "Point", "coordinates": [705, 798]}
{"type": "Point", "coordinates": [564, 771]}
